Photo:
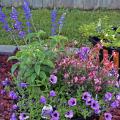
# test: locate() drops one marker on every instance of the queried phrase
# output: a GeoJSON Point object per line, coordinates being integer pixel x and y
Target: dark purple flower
{"type": "Point", "coordinates": [55, 115]}
{"type": "Point", "coordinates": [97, 111]}
{"type": "Point", "coordinates": [15, 107]}
{"type": "Point", "coordinates": [53, 20]}
{"type": "Point", "coordinates": [52, 93]}
{"type": "Point", "coordinates": [26, 9]}
{"type": "Point", "coordinates": [86, 96]}
{"type": "Point", "coordinates": [53, 79]}
{"type": "Point", "coordinates": [42, 100]}
{"type": "Point", "coordinates": [72, 102]}
{"type": "Point", "coordinates": [107, 116]}
{"type": "Point", "coordinates": [6, 82]}
{"type": "Point", "coordinates": [118, 97]}
{"type": "Point", "coordinates": [23, 116]}
{"type": "Point", "coordinates": [69, 114]}
{"type": "Point", "coordinates": [3, 92]}
{"type": "Point", "coordinates": [83, 53]}
{"type": "Point", "coordinates": [108, 96]}
{"type": "Point", "coordinates": [22, 34]}
{"type": "Point", "coordinates": [95, 105]}
{"type": "Point", "coordinates": [115, 104]}
{"type": "Point", "coordinates": [23, 85]}
{"type": "Point", "coordinates": [13, 117]}
{"type": "Point", "coordinates": [89, 101]}
{"type": "Point", "coordinates": [13, 95]}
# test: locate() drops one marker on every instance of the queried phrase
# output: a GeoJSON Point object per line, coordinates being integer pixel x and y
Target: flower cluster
{"type": "Point", "coordinates": [4, 21]}
{"type": "Point", "coordinates": [17, 24]}
{"type": "Point", "coordinates": [54, 22]}
{"type": "Point", "coordinates": [27, 13]}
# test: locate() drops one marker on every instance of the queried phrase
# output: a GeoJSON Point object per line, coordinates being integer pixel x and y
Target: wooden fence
{"type": "Point", "coordinates": [82, 4]}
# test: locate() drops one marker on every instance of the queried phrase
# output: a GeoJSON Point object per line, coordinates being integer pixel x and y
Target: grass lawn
{"type": "Point", "coordinates": [74, 19]}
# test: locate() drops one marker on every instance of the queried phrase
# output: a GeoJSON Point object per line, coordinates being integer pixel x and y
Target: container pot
{"type": "Point", "coordinates": [112, 53]}
{"type": "Point", "coordinates": [93, 117]}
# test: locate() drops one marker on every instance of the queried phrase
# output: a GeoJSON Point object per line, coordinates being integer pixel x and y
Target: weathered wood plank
{"type": "Point", "coordinates": [48, 3]}
{"type": "Point", "coordinates": [82, 4]}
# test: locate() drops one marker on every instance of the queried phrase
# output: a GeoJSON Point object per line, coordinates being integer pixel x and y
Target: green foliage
{"type": "Point", "coordinates": [74, 19]}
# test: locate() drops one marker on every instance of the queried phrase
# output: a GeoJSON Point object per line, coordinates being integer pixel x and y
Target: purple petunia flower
{"type": "Point", "coordinates": [55, 115]}
{"type": "Point", "coordinates": [23, 85]}
{"type": "Point", "coordinates": [23, 116]}
{"type": "Point", "coordinates": [3, 92]}
{"type": "Point", "coordinates": [52, 93]}
{"type": "Point", "coordinates": [53, 79]}
{"type": "Point", "coordinates": [83, 53]}
{"type": "Point", "coordinates": [108, 96]}
{"type": "Point", "coordinates": [69, 114]}
{"type": "Point", "coordinates": [72, 102]}
{"type": "Point", "coordinates": [86, 96]}
{"type": "Point", "coordinates": [115, 104]}
{"type": "Point", "coordinates": [15, 107]}
{"type": "Point", "coordinates": [89, 101]}
{"type": "Point", "coordinates": [95, 105]}
{"type": "Point", "coordinates": [97, 111]}
{"type": "Point", "coordinates": [13, 117]}
{"type": "Point", "coordinates": [47, 111]}
{"type": "Point", "coordinates": [13, 95]}
{"type": "Point", "coordinates": [42, 100]}
{"type": "Point", "coordinates": [107, 116]}
{"type": "Point", "coordinates": [6, 82]}
{"type": "Point", "coordinates": [118, 97]}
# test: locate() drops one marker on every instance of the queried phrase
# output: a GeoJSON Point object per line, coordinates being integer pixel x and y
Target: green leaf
{"type": "Point", "coordinates": [14, 67]}
{"type": "Point", "coordinates": [43, 76]}
{"type": "Point", "coordinates": [49, 63]}
{"type": "Point", "coordinates": [12, 58]}
{"type": "Point", "coordinates": [37, 68]}
{"type": "Point", "coordinates": [33, 77]}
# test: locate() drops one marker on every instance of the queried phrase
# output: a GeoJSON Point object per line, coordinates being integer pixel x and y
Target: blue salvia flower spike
{"type": "Point", "coordinates": [61, 22]}
{"type": "Point", "coordinates": [4, 21]}
{"type": "Point", "coordinates": [27, 13]}
{"type": "Point", "coordinates": [53, 20]}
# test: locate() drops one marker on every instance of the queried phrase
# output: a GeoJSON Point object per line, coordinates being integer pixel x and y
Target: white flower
{"type": "Point", "coordinates": [46, 111]}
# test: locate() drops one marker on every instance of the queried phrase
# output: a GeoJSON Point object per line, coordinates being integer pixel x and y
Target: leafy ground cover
{"type": "Point", "coordinates": [74, 19]}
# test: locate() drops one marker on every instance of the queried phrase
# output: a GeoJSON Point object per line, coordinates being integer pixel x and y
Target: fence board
{"type": "Point", "coordinates": [82, 4]}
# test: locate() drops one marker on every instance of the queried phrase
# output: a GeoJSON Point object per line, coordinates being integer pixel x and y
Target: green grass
{"type": "Point", "coordinates": [74, 19]}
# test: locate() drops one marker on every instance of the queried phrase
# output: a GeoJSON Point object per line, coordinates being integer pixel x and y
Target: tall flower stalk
{"type": "Point", "coordinates": [53, 20]}
{"type": "Point", "coordinates": [27, 14]}
{"type": "Point", "coordinates": [17, 25]}
{"type": "Point", "coordinates": [4, 21]}
{"type": "Point", "coordinates": [61, 21]}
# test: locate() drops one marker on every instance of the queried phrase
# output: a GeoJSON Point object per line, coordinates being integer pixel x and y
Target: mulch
{"type": "Point", "coordinates": [5, 101]}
